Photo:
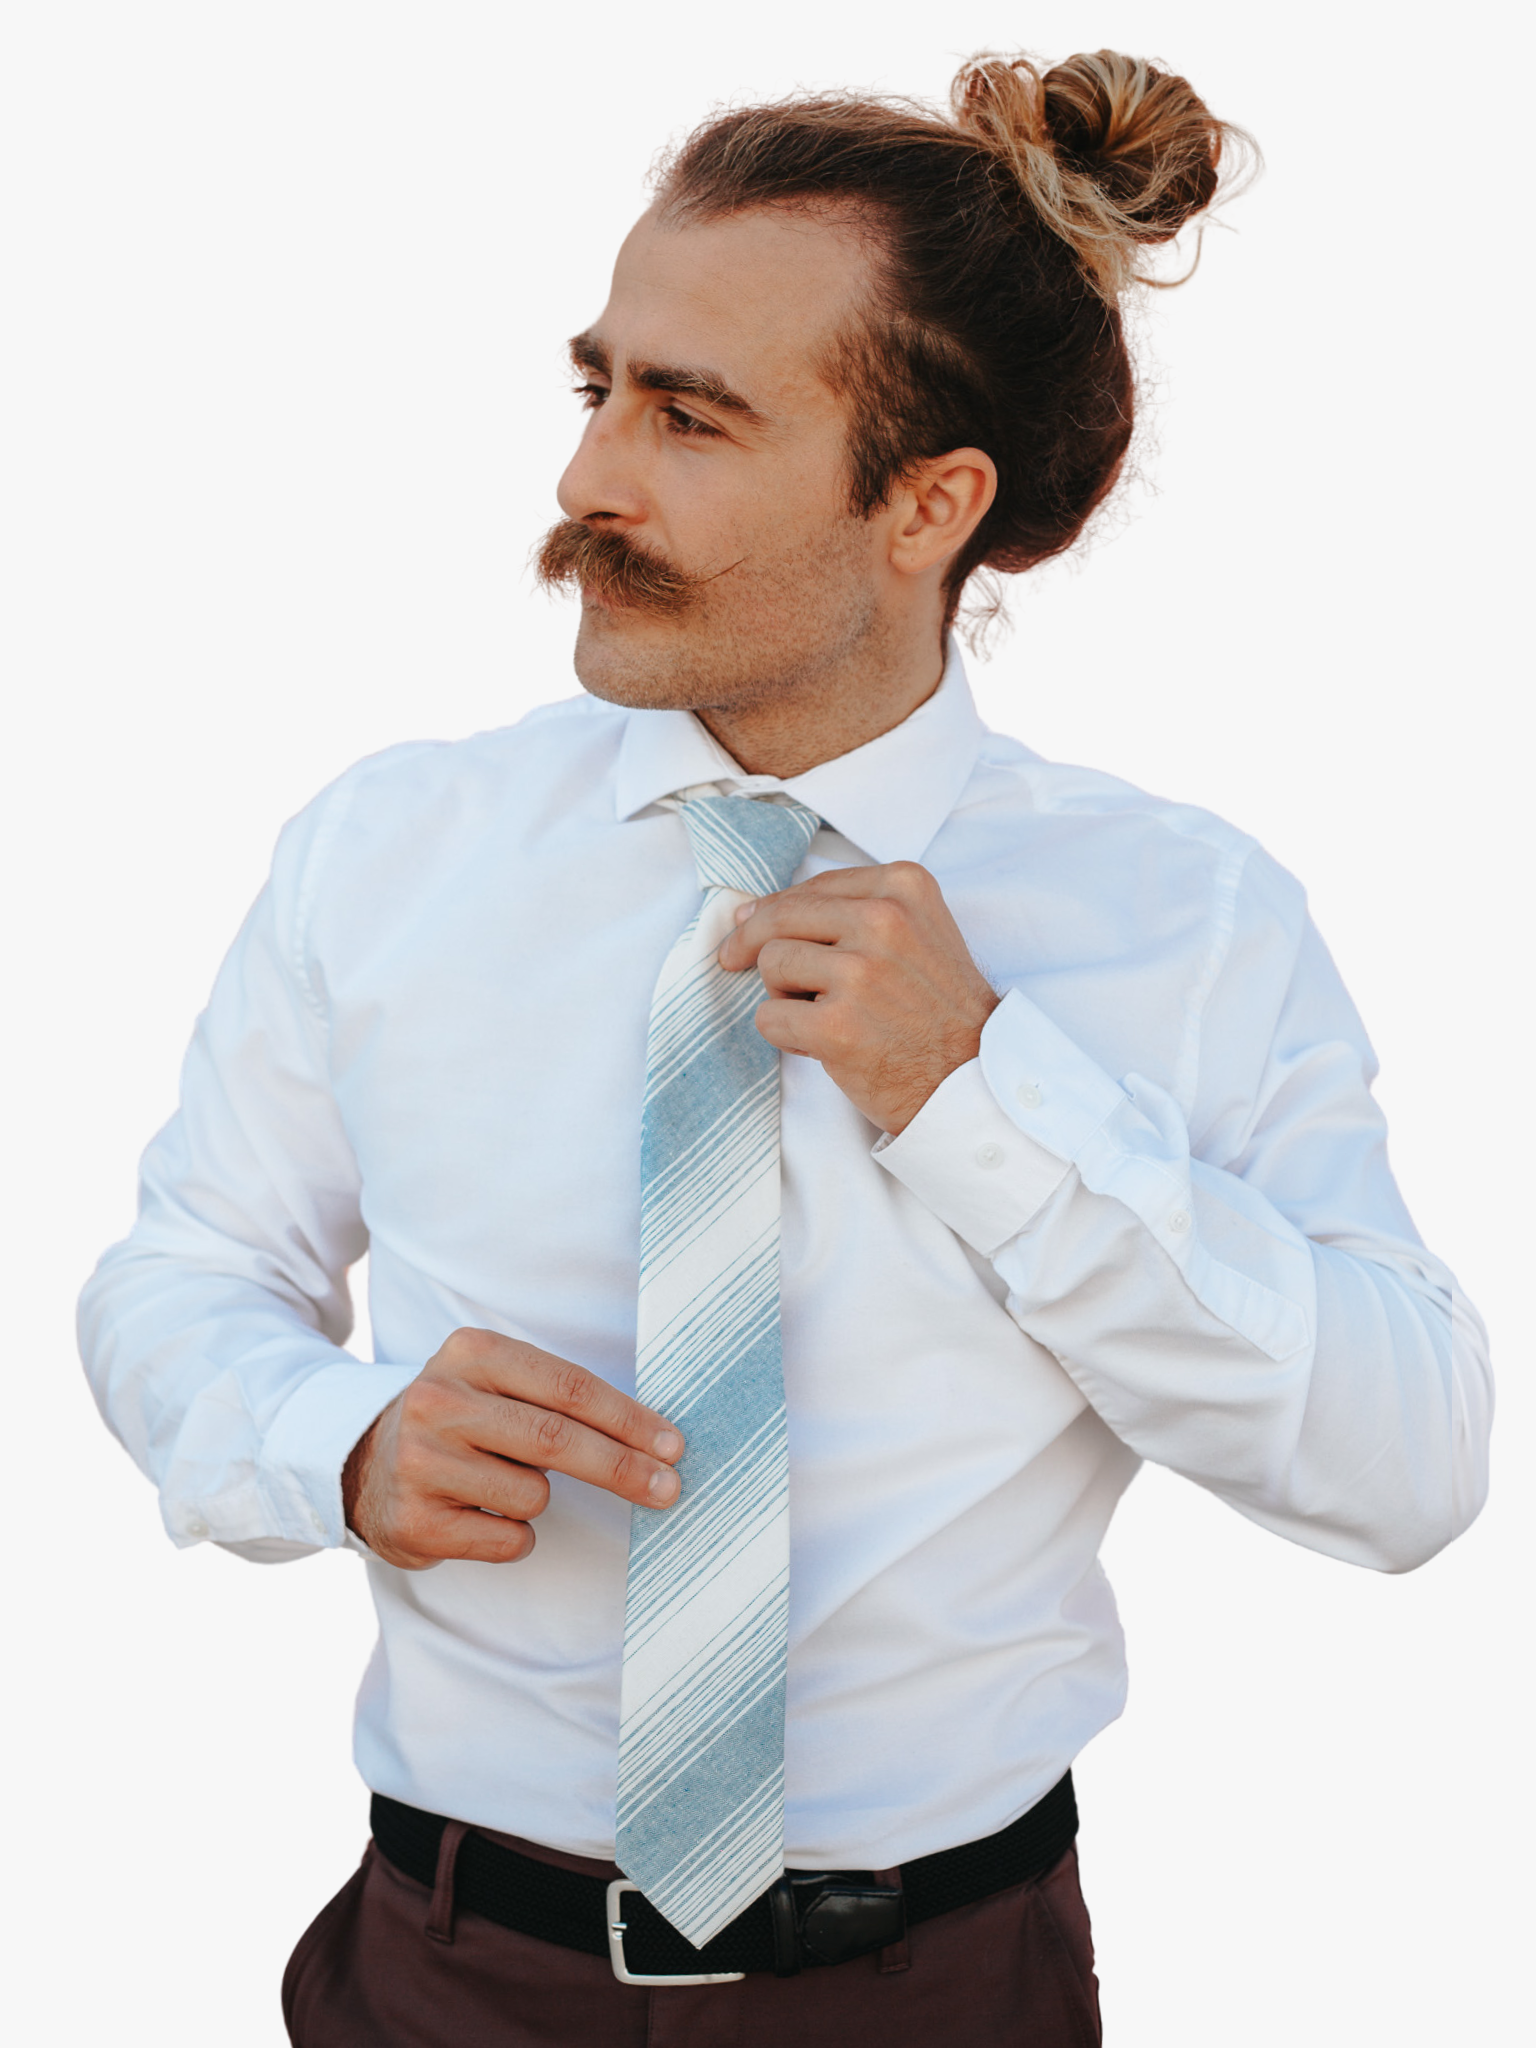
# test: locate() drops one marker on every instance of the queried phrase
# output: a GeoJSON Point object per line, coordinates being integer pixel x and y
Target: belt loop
{"type": "Point", "coordinates": [440, 1918]}
{"type": "Point", "coordinates": [896, 1956]}
{"type": "Point", "coordinates": [786, 1932]}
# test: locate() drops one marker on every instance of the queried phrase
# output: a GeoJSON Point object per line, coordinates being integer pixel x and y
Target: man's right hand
{"type": "Point", "coordinates": [454, 1467]}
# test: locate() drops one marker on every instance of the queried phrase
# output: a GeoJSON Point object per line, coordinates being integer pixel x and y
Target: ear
{"type": "Point", "coordinates": [937, 510]}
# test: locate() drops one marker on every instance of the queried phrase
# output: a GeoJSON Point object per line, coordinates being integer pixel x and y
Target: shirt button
{"type": "Point", "coordinates": [990, 1156]}
{"type": "Point", "coordinates": [1178, 1220]}
{"type": "Point", "coordinates": [1028, 1094]}
{"type": "Point", "coordinates": [317, 1521]}
{"type": "Point", "coordinates": [196, 1526]}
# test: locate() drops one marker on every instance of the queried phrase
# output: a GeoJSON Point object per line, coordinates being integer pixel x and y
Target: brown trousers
{"type": "Point", "coordinates": [390, 1964]}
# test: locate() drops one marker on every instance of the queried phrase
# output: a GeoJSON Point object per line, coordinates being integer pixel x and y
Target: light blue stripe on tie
{"type": "Point", "coordinates": [701, 1738]}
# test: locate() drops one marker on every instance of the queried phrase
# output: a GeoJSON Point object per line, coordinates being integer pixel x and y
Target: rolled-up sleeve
{"type": "Point", "coordinates": [213, 1335]}
{"type": "Point", "coordinates": [1231, 1278]}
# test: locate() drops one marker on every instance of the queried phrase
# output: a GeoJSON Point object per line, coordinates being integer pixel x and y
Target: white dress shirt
{"type": "Point", "coordinates": [1154, 1219]}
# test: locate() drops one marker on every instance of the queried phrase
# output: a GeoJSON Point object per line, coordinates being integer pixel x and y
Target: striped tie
{"type": "Point", "coordinates": [701, 1738]}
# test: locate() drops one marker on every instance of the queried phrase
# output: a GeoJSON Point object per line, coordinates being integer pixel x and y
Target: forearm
{"type": "Point", "coordinates": [1366, 1442]}
{"type": "Point", "coordinates": [233, 1401]}
{"type": "Point", "coordinates": [1335, 1391]}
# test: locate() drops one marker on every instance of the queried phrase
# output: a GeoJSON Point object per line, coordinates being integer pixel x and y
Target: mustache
{"type": "Point", "coordinates": [609, 566]}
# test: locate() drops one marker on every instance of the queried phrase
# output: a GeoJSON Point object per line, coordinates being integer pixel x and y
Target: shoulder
{"type": "Point", "coordinates": [1124, 840]}
{"type": "Point", "coordinates": [425, 802]}
{"type": "Point", "coordinates": [399, 783]}
{"type": "Point", "coordinates": [578, 732]}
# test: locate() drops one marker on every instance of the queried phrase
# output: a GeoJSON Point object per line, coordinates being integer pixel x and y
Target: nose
{"type": "Point", "coordinates": [601, 480]}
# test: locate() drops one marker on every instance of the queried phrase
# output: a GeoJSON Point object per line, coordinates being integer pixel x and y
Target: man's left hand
{"type": "Point", "coordinates": [866, 971]}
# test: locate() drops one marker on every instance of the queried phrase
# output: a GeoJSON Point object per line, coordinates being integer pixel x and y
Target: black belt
{"type": "Point", "coordinates": [807, 1918]}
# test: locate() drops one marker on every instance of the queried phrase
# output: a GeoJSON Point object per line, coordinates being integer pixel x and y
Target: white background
{"type": "Point", "coordinates": [283, 412]}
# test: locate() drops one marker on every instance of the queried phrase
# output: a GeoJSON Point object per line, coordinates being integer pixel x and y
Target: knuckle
{"type": "Point", "coordinates": [472, 1346]}
{"type": "Point", "coordinates": [550, 1432]}
{"type": "Point", "coordinates": [412, 1462]}
{"type": "Point", "coordinates": [411, 1528]}
{"type": "Point", "coordinates": [770, 1022]}
{"type": "Point", "coordinates": [491, 1539]}
{"type": "Point", "coordinates": [841, 1028]}
{"type": "Point", "coordinates": [630, 1472]}
{"type": "Point", "coordinates": [427, 1402]}
{"type": "Point", "coordinates": [530, 1494]}
{"type": "Point", "coordinates": [571, 1385]}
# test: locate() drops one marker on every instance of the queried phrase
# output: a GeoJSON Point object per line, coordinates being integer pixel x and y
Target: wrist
{"type": "Point", "coordinates": [961, 1046]}
{"type": "Point", "coordinates": [353, 1474]}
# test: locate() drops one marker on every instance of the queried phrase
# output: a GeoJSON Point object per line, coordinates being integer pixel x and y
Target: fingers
{"type": "Point", "coordinates": [433, 1532]}
{"type": "Point", "coordinates": [483, 1539]}
{"type": "Point", "coordinates": [557, 1443]}
{"type": "Point", "coordinates": [455, 1466]}
{"type": "Point", "coordinates": [522, 1372]}
{"type": "Point", "coordinates": [447, 1418]}
{"type": "Point", "coordinates": [415, 1500]}
{"type": "Point", "coordinates": [487, 1483]}
{"type": "Point", "coordinates": [795, 1026]}
{"type": "Point", "coordinates": [903, 878]}
{"type": "Point", "coordinates": [877, 908]}
{"type": "Point", "coordinates": [796, 967]}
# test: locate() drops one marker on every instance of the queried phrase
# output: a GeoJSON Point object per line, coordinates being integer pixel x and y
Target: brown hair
{"type": "Point", "coordinates": [1009, 234]}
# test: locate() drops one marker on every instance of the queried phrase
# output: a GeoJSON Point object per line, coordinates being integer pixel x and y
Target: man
{"type": "Point", "coordinates": [820, 1377]}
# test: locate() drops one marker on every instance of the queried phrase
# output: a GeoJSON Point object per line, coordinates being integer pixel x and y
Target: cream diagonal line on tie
{"type": "Point", "coordinates": [741, 1156]}
{"type": "Point", "coordinates": [716, 1690]}
{"type": "Point", "coordinates": [749, 1842]}
{"type": "Point", "coordinates": [746, 1122]}
{"type": "Point", "coordinates": [694, 992]}
{"type": "Point", "coordinates": [692, 1701]}
{"type": "Point", "coordinates": [725, 858]}
{"type": "Point", "coordinates": [723, 1687]}
{"type": "Point", "coordinates": [746, 1818]}
{"type": "Point", "coordinates": [675, 1267]}
{"type": "Point", "coordinates": [740, 1520]}
{"type": "Point", "coordinates": [683, 1362]}
{"type": "Point", "coordinates": [691, 1032]}
{"type": "Point", "coordinates": [730, 1509]}
{"type": "Point", "coordinates": [701, 1738]}
{"type": "Point", "coordinates": [693, 1264]}
{"type": "Point", "coordinates": [688, 970]}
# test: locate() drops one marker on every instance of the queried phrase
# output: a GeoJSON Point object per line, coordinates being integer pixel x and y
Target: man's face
{"type": "Point", "coordinates": [715, 447]}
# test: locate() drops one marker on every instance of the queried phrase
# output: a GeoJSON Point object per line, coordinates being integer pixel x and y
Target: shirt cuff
{"type": "Point", "coordinates": [994, 1141]}
{"type": "Point", "coordinates": [310, 1440]}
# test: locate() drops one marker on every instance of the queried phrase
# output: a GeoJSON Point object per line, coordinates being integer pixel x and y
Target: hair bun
{"type": "Point", "coordinates": [1113, 153]}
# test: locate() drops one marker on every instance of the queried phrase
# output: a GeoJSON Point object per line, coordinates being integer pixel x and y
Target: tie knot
{"type": "Point", "coordinates": [746, 843]}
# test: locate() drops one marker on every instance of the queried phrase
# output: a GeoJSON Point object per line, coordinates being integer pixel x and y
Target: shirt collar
{"type": "Point", "coordinates": [888, 798]}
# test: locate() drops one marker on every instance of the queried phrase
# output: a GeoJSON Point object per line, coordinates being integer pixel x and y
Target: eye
{"type": "Point", "coordinates": [687, 423]}
{"type": "Point", "coordinates": [591, 395]}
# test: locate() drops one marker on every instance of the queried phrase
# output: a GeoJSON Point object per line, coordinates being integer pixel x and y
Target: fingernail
{"type": "Point", "coordinates": [666, 1444]}
{"type": "Point", "coordinates": [745, 910]}
{"type": "Point", "coordinates": [663, 1487]}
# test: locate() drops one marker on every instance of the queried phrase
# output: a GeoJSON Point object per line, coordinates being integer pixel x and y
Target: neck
{"type": "Point", "coordinates": [827, 715]}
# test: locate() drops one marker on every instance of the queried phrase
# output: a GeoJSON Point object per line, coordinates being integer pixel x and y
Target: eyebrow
{"type": "Point", "coordinates": [589, 353]}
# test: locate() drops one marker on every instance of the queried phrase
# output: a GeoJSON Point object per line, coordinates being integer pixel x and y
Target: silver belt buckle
{"type": "Point", "coordinates": [621, 1969]}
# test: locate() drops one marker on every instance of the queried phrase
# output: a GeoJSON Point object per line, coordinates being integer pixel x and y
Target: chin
{"type": "Point", "coordinates": [644, 663]}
